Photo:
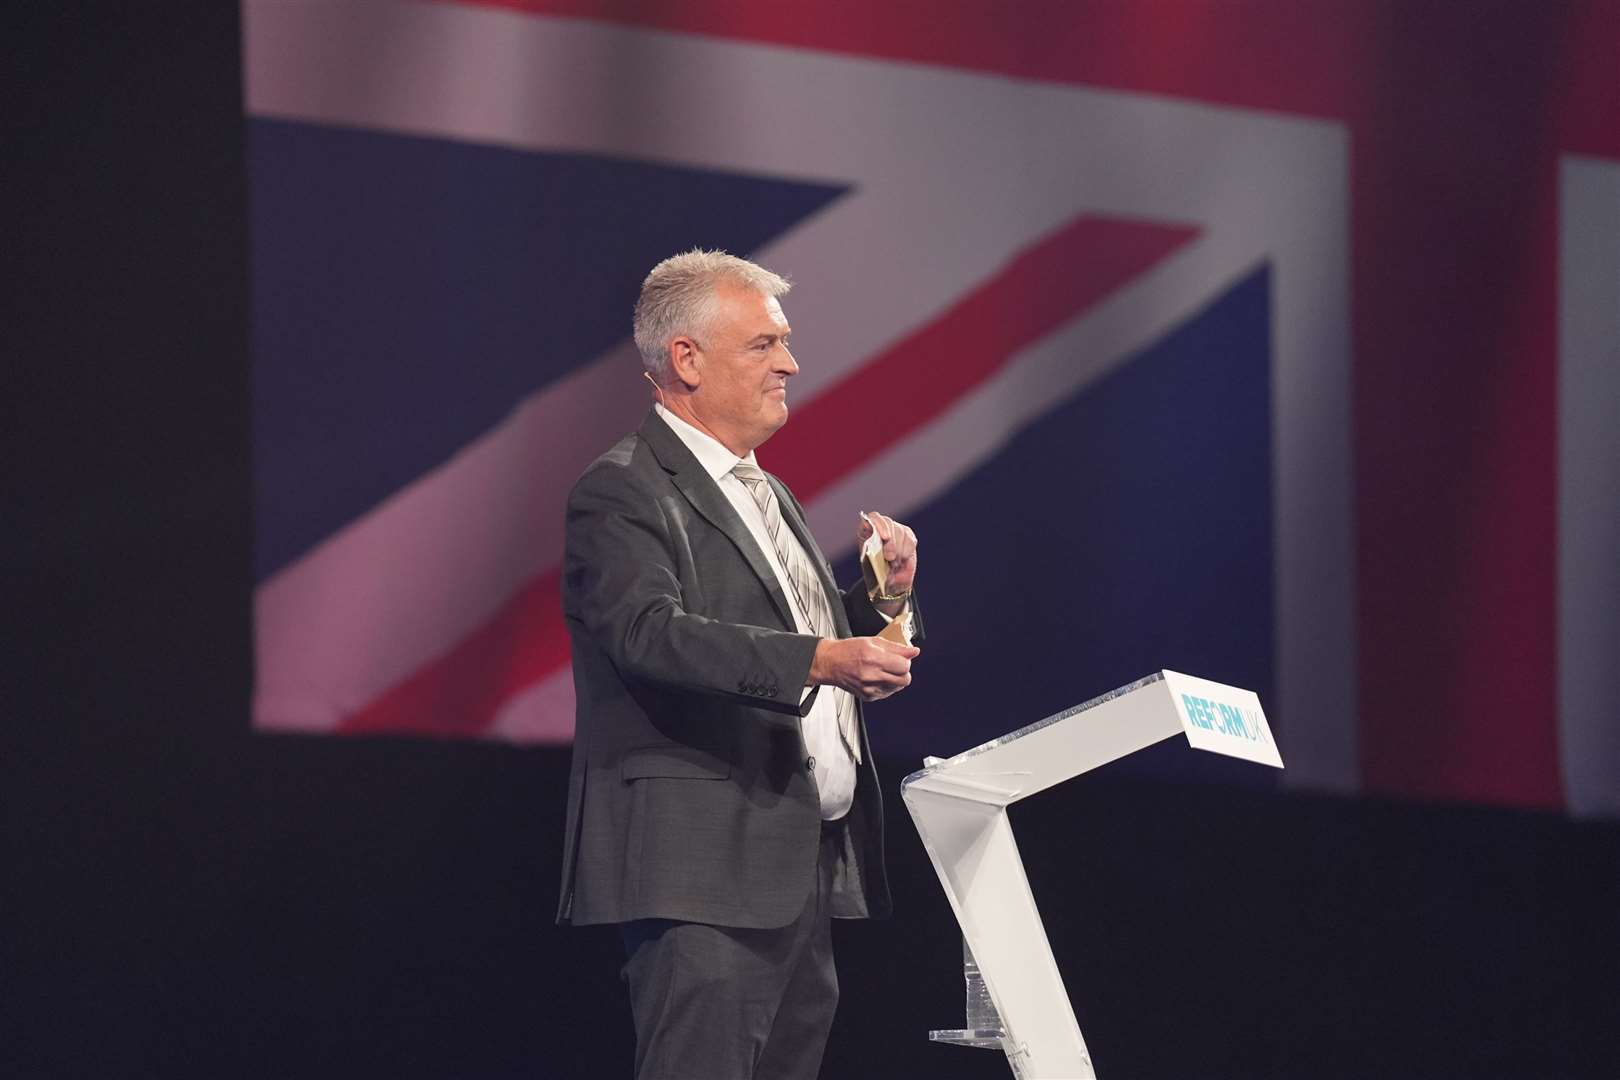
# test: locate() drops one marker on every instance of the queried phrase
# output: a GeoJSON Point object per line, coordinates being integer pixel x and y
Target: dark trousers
{"type": "Point", "coordinates": [721, 1003]}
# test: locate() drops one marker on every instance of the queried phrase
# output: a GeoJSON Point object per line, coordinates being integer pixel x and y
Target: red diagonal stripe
{"type": "Point", "coordinates": [460, 693]}
{"type": "Point", "coordinates": [920, 376]}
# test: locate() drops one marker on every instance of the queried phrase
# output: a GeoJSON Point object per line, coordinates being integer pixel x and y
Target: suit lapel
{"type": "Point", "coordinates": [708, 500]}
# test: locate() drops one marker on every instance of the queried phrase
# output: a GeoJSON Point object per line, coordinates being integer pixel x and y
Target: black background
{"type": "Point", "coordinates": [184, 898]}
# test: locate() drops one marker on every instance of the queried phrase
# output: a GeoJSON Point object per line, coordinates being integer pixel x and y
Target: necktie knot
{"type": "Point", "coordinates": [748, 474]}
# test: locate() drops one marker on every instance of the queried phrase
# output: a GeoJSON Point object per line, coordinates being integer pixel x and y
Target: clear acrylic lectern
{"type": "Point", "coordinates": [1015, 996]}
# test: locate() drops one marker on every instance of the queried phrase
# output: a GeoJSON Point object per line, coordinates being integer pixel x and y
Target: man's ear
{"type": "Point", "coordinates": [683, 362]}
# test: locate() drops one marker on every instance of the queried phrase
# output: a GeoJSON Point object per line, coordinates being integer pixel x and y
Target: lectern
{"type": "Point", "coordinates": [1016, 999]}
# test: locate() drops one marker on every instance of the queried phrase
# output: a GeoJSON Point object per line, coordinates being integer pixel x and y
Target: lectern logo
{"type": "Point", "coordinates": [1225, 719]}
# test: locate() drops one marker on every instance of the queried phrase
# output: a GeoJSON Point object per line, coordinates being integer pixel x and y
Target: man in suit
{"type": "Point", "coordinates": [722, 803]}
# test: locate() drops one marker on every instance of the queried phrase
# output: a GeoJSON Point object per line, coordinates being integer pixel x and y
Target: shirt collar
{"type": "Point", "coordinates": [710, 452]}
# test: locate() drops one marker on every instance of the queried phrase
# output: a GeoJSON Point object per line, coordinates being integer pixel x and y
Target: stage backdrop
{"type": "Point", "coordinates": [1224, 338]}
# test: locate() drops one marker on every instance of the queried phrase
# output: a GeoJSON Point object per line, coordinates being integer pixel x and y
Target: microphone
{"type": "Point", "coordinates": [658, 391]}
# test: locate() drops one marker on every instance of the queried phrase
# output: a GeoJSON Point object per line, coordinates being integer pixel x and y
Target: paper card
{"type": "Point", "coordinates": [874, 567]}
{"type": "Point", "coordinates": [899, 631]}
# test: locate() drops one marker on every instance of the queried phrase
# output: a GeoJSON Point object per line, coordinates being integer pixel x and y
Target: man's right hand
{"type": "Point", "coordinates": [871, 668]}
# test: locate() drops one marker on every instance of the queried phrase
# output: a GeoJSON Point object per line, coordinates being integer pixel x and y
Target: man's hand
{"type": "Point", "coordinates": [868, 667]}
{"type": "Point", "coordinates": [899, 551]}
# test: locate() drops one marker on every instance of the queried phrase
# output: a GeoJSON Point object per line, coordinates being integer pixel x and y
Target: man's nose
{"type": "Point", "coordinates": [785, 362]}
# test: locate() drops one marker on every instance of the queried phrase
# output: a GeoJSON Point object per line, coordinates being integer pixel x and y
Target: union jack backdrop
{"type": "Point", "coordinates": [1226, 338]}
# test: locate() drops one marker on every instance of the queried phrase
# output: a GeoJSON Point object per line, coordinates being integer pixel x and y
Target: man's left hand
{"type": "Point", "coordinates": [899, 551]}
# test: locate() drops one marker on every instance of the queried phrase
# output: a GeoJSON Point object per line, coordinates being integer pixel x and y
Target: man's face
{"type": "Point", "coordinates": [745, 365]}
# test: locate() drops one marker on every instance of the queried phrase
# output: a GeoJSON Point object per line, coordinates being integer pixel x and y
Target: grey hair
{"type": "Point", "coordinates": [678, 298]}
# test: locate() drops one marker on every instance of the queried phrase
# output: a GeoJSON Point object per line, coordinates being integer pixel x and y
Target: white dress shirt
{"type": "Point", "coordinates": [834, 768]}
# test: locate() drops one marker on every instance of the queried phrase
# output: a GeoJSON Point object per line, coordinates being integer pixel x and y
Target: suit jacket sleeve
{"type": "Point", "coordinates": [624, 584]}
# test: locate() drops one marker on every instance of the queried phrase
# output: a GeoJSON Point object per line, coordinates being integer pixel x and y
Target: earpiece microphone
{"type": "Point", "coordinates": [658, 391]}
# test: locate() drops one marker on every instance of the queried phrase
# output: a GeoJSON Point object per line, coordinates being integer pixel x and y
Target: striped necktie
{"type": "Point", "coordinates": [807, 589]}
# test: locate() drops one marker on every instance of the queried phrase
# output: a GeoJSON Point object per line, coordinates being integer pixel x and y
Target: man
{"type": "Point", "coordinates": [722, 804]}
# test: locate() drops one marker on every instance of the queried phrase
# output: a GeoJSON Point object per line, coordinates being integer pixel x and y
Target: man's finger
{"type": "Point", "coordinates": [905, 542]}
{"type": "Point", "coordinates": [893, 664]}
{"type": "Point", "coordinates": [891, 685]}
{"type": "Point", "coordinates": [897, 661]}
{"type": "Point", "coordinates": [882, 688]}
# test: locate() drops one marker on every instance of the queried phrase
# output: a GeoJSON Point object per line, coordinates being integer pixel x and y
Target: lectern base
{"type": "Point", "coordinates": [986, 1037]}
{"type": "Point", "coordinates": [995, 1039]}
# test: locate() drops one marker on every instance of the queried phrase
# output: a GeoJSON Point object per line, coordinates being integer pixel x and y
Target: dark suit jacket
{"type": "Point", "coordinates": [690, 796]}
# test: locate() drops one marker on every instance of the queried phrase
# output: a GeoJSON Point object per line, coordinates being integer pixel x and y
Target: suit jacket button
{"type": "Point", "coordinates": [810, 764]}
